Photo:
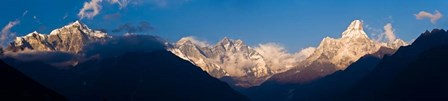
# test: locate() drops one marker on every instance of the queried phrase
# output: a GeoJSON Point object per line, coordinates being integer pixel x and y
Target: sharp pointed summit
{"type": "Point", "coordinates": [224, 41]}
{"type": "Point", "coordinates": [248, 67]}
{"type": "Point", "coordinates": [77, 23]}
{"type": "Point", "coordinates": [356, 24]}
{"type": "Point", "coordinates": [335, 54]}
{"type": "Point", "coordinates": [354, 30]}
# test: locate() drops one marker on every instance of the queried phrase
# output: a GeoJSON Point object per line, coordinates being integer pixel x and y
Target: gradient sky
{"type": "Point", "coordinates": [295, 24]}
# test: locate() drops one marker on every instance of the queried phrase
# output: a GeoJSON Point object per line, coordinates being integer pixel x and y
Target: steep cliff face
{"type": "Point", "coordinates": [70, 38]}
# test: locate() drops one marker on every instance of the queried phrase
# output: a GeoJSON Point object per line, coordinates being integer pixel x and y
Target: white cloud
{"type": "Point", "coordinates": [305, 53]}
{"type": "Point", "coordinates": [90, 9]}
{"type": "Point", "coordinates": [6, 33]}
{"type": "Point", "coordinates": [279, 59]}
{"type": "Point", "coordinates": [433, 17]}
{"type": "Point", "coordinates": [389, 32]}
{"type": "Point", "coordinates": [94, 7]}
{"type": "Point", "coordinates": [122, 3]}
{"type": "Point", "coordinates": [235, 64]}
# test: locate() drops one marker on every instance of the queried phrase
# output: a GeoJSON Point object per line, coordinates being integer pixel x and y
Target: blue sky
{"type": "Point", "coordinates": [295, 24]}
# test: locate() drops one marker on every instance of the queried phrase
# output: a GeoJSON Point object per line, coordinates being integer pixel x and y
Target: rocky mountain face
{"type": "Point", "coordinates": [228, 58]}
{"type": "Point", "coordinates": [70, 38]}
{"type": "Point", "coordinates": [335, 54]}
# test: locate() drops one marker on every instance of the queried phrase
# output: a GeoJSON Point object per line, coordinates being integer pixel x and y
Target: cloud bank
{"type": "Point", "coordinates": [278, 59]}
{"type": "Point", "coordinates": [235, 64]}
{"type": "Point", "coordinates": [433, 17]}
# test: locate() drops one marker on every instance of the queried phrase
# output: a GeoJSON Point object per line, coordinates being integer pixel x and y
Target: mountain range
{"type": "Point", "coordinates": [251, 67]}
{"type": "Point", "coordinates": [414, 72]}
{"type": "Point", "coordinates": [120, 68]}
{"type": "Point", "coordinates": [335, 54]}
{"type": "Point", "coordinates": [70, 38]}
{"type": "Point", "coordinates": [228, 58]}
{"type": "Point", "coordinates": [143, 67]}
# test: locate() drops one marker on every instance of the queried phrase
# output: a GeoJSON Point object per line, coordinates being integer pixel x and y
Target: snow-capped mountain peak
{"type": "Point", "coordinates": [76, 24]}
{"type": "Point", "coordinates": [225, 42]}
{"type": "Point", "coordinates": [355, 25]}
{"type": "Point", "coordinates": [183, 41]}
{"type": "Point", "coordinates": [248, 66]}
{"type": "Point", "coordinates": [70, 38]}
{"type": "Point", "coordinates": [234, 59]}
{"type": "Point", "coordinates": [334, 54]}
{"type": "Point", "coordinates": [227, 58]}
{"type": "Point", "coordinates": [81, 27]}
{"type": "Point", "coordinates": [354, 30]}
{"type": "Point", "coordinates": [341, 52]}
